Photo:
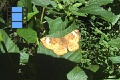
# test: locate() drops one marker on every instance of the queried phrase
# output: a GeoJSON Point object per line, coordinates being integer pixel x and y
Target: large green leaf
{"type": "Point", "coordinates": [106, 15]}
{"type": "Point", "coordinates": [9, 44]}
{"type": "Point", "coordinates": [56, 24]}
{"type": "Point", "coordinates": [28, 34]}
{"type": "Point", "coordinates": [99, 2]}
{"type": "Point", "coordinates": [61, 32]}
{"type": "Point", "coordinates": [115, 59]}
{"type": "Point", "coordinates": [77, 74]}
{"type": "Point", "coordinates": [44, 3]}
{"type": "Point", "coordinates": [115, 43]}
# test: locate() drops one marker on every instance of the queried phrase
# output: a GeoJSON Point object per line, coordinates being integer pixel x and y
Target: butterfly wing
{"type": "Point", "coordinates": [58, 45]}
{"type": "Point", "coordinates": [72, 40]}
{"type": "Point", "coordinates": [73, 46]}
{"type": "Point", "coordinates": [46, 42]}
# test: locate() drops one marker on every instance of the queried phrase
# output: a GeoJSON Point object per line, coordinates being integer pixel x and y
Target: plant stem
{"type": "Point", "coordinates": [42, 15]}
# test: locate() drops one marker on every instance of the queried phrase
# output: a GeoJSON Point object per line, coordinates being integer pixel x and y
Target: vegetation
{"type": "Point", "coordinates": [98, 21]}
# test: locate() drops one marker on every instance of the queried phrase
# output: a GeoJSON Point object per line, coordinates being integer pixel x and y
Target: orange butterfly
{"type": "Point", "coordinates": [61, 46]}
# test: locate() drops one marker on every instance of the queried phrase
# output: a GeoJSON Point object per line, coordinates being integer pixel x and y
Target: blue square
{"type": "Point", "coordinates": [16, 16]}
{"type": "Point", "coordinates": [16, 24]}
{"type": "Point", "coordinates": [16, 9]}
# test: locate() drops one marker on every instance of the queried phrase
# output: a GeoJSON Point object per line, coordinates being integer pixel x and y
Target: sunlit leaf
{"type": "Point", "coordinates": [99, 2]}
{"type": "Point", "coordinates": [115, 59]}
{"type": "Point", "coordinates": [44, 3]}
{"type": "Point", "coordinates": [28, 34]}
{"type": "Point", "coordinates": [77, 74]}
{"type": "Point", "coordinates": [115, 42]}
{"type": "Point", "coordinates": [56, 24]}
{"type": "Point", "coordinates": [106, 15]}
{"type": "Point", "coordinates": [9, 44]}
{"type": "Point", "coordinates": [24, 57]}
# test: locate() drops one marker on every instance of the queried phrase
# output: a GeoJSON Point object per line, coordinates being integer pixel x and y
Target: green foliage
{"type": "Point", "coordinates": [28, 34]}
{"type": "Point", "coordinates": [93, 68]}
{"type": "Point", "coordinates": [1, 20]}
{"type": "Point", "coordinates": [24, 57]}
{"type": "Point", "coordinates": [98, 2]}
{"type": "Point", "coordinates": [99, 25]}
{"type": "Point", "coordinates": [77, 74]}
{"type": "Point", "coordinates": [115, 42]}
{"type": "Point", "coordinates": [115, 59]}
{"type": "Point", "coordinates": [96, 10]}
{"type": "Point", "coordinates": [9, 44]}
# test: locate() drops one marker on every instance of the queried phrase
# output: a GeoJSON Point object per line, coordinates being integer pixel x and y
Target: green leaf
{"type": "Point", "coordinates": [75, 6]}
{"type": "Point", "coordinates": [1, 20]}
{"type": "Point", "coordinates": [93, 68]}
{"type": "Point", "coordinates": [116, 19]}
{"type": "Point", "coordinates": [25, 3]}
{"type": "Point", "coordinates": [77, 74]}
{"type": "Point", "coordinates": [106, 15]}
{"type": "Point", "coordinates": [35, 9]}
{"type": "Point", "coordinates": [74, 9]}
{"type": "Point", "coordinates": [28, 34]}
{"type": "Point", "coordinates": [31, 14]}
{"type": "Point", "coordinates": [62, 33]}
{"type": "Point", "coordinates": [56, 24]}
{"type": "Point", "coordinates": [24, 57]}
{"type": "Point", "coordinates": [98, 2]}
{"type": "Point", "coordinates": [9, 44]}
{"type": "Point", "coordinates": [115, 43]}
{"type": "Point", "coordinates": [81, 1]}
{"type": "Point", "coordinates": [20, 4]}
{"type": "Point", "coordinates": [103, 35]}
{"type": "Point", "coordinates": [44, 3]}
{"type": "Point", "coordinates": [1, 38]}
{"type": "Point", "coordinates": [79, 14]}
{"type": "Point", "coordinates": [74, 56]}
{"type": "Point", "coordinates": [115, 59]}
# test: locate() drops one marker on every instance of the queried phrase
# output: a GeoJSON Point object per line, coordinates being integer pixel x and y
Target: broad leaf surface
{"type": "Point", "coordinates": [77, 74]}
{"type": "Point", "coordinates": [99, 2]}
{"type": "Point", "coordinates": [106, 15]}
{"type": "Point", "coordinates": [9, 44]}
{"type": "Point", "coordinates": [28, 34]}
{"type": "Point", "coordinates": [115, 59]}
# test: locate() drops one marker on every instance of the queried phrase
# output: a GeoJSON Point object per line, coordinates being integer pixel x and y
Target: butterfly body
{"type": "Point", "coordinates": [61, 46]}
